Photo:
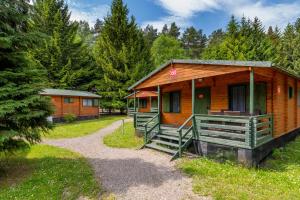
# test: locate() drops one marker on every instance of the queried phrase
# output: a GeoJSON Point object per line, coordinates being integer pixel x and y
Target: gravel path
{"type": "Point", "coordinates": [130, 174]}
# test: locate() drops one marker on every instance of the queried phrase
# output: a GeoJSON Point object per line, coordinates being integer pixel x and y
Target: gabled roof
{"type": "Point", "coordinates": [264, 64]}
{"type": "Point", "coordinates": [61, 92]}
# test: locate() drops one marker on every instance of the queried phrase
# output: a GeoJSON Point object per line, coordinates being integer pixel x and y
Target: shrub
{"type": "Point", "coordinates": [69, 118]}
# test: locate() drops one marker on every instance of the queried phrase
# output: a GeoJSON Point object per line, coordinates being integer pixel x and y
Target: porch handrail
{"type": "Point", "coordinates": [151, 129]}
{"type": "Point", "coordinates": [181, 137]}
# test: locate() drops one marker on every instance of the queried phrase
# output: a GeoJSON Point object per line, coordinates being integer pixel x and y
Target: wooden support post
{"type": "Point", "coordinates": [150, 103]}
{"type": "Point", "coordinates": [158, 105]}
{"type": "Point", "coordinates": [193, 96]}
{"type": "Point", "coordinates": [127, 106]}
{"type": "Point", "coordinates": [193, 108]}
{"type": "Point", "coordinates": [251, 110]}
{"type": "Point", "coordinates": [138, 107]}
{"type": "Point", "coordinates": [134, 101]}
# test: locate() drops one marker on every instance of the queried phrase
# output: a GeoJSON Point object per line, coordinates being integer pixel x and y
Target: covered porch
{"type": "Point", "coordinates": [232, 109]}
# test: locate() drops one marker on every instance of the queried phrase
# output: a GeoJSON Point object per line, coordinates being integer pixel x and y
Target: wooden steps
{"type": "Point", "coordinates": [167, 140]}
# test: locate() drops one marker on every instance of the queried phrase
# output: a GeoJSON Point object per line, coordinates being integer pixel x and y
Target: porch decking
{"type": "Point", "coordinates": [247, 132]}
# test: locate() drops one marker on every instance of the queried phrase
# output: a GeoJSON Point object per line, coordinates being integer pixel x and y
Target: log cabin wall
{"type": "Point", "coordinates": [76, 108]}
{"type": "Point", "coordinates": [148, 108]}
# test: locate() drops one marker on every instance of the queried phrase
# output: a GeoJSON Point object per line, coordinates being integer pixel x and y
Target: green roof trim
{"type": "Point", "coordinates": [61, 92]}
{"type": "Point", "coordinates": [263, 64]}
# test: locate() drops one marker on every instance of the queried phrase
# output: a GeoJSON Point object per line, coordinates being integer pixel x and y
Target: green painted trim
{"type": "Point", "coordinates": [134, 101]}
{"type": "Point", "coordinates": [251, 106]}
{"type": "Point", "coordinates": [193, 96]}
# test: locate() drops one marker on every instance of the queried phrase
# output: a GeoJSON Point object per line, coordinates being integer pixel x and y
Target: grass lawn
{"type": "Point", "coordinates": [126, 140]}
{"type": "Point", "coordinates": [278, 179]}
{"type": "Point", "coordinates": [81, 128]}
{"type": "Point", "coordinates": [46, 172]}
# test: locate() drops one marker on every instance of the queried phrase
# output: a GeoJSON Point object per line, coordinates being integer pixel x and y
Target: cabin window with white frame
{"type": "Point", "coordinates": [90, 102]}
{"type": "Point", "coordinates": [68, 100]}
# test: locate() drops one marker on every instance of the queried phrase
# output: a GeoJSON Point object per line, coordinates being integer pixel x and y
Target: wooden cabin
{"type": "Point", "coordinates": [83, 105]}
{"type": "Point", "coordinates": [142, 101]}
{"type": "Point", "coordinates": [246, 107]}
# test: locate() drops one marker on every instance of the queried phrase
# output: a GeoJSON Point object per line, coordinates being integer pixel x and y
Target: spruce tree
{"type": "Point", "coordinates": [23, 111]}
{"type": "Point", "coordinates": [60, 51]}
{"type": "Point", "coordinates": [193, 42]}
{"type": "Point", "coordinates": [174, 30]}
{"type": "Point", "coordinates": [150, 34]}
{"type": "Point", "coordinates": [122, 54]}
{"type": "Point", "coordinates": [165, 30]}
{"type": "Point", "coordinates": [212, 50]}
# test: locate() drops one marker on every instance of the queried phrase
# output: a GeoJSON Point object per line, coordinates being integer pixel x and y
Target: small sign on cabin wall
{"type": "Point", "coordinates": [173, 72]}
{"type": "Point", "coordinates": [200, 96]}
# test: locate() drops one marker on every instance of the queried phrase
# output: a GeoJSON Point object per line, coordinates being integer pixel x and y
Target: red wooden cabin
{"type": "Point", "coordinates": [247, 107]}
{"type": "Point", "coordinates": [84, 105]}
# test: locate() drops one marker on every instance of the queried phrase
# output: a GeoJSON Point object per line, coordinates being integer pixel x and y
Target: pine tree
{"type": "Point", "coordinates": [23, 111]}
{"type": "Point", "coordinates": [122, 54]}
{"type": "Point", "coordinates": [288, 56]}
{"type": "Point", "coordinates": [60, 51]}
{"type": "Point", "coordinates": [212, 50]}
{"type": "Point", "coordinates": [166, 48]}
{"type": "Point", "coordinates": [98, 26]}
{"type": "Point", "coordinates": [232, 46]}
{"type": "Point", "coordinates": [174, 30]}
{"type": "Point", "coordinates": [193, 42]}
{"type": "Point", "coordinates": [165, 30]}
{"type": "Point", "coordinates": [150, 34]}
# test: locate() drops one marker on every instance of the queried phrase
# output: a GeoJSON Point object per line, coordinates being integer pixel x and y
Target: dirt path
{"type": "Point", "coordinates": [130, 174]}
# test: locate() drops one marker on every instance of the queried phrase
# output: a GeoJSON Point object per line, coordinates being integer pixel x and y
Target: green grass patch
{"type": "Point", "coordinates": [81, 128]}
{"type": "Point", "coordinates": [278, 179]}
{"type": "Point", "coordinates": [128, 139]}
{"type": "Point", "coordinates": [50, 173]}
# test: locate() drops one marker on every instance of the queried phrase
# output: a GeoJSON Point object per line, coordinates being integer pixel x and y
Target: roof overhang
{"type": "Point", "coordinates": [142, 94]}
{"type": "Point", "coordinates": [232, 63]}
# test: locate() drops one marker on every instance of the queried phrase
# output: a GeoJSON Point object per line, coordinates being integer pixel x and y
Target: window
{"type": "Point", "coordinates": [68, 100]}
{"type": "Point", "coordinates": [171, 102]}
{"type": "Point", "coordinates": [237, 98]}
{"type": "Point", "coordinates": [143, 103]}
{"type": "Point", "coordinates": [291, 92]}
{"type": "Point", "coordinates": [90, 102]}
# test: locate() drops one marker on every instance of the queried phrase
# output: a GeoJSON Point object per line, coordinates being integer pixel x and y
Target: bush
{"type": "Point", "coordinates": [69, 118]}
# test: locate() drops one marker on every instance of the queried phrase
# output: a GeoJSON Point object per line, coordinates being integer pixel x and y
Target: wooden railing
{"type": "Point", "coordinates": [151, 128]}
{"type": "Point", "coordinates": [154, 110]}
{"type": "Point", "coordinates": [130, 111]}
{"type": "Point", "coordinates": [238, 131]}
{"type": "Point", "coordinates": [140, 119]}
{"type": "Point", "coordinates": [183, 134]}
{"type": "Point", "coordinates": [262, 129]}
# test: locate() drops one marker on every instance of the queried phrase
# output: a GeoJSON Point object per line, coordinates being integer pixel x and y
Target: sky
{"type": "Point", "coordinates": [207, 15]}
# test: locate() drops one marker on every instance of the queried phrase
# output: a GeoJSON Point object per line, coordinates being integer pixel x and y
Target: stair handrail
{"type": "Point", "coordinates": [179, 130]}
{"type": "Point", "coordinates": [146, 127]}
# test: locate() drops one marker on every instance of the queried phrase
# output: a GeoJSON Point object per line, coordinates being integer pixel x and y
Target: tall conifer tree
{"type": "Point", "coordinates": [23, 111]}
{"type": "Point", "coordinates": [122, 54]}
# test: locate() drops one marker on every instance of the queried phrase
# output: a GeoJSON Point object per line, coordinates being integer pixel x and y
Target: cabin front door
{"type": "Point", "coordinates": [202, 100]}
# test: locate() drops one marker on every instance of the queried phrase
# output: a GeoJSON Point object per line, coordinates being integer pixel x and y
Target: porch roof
{"type": "Point", "coordinates": [142, 94]}
{"type": "Point", "coordinates": [232, 63]}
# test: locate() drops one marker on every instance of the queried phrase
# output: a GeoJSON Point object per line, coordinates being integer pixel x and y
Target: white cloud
{"type": "Point", "coordinates": [181, 11]}
{"type": "Point", "coordinates": [87, 12]}
{"type": "Point", "coordinates": [278, 14]}
{"type": "Point", "coordinates": [187, 8]}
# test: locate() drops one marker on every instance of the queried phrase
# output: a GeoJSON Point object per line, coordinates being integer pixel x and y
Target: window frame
{"type": "Point", "coordinates": [171, 102]}
{"type": "Point", "coordinates": [68, 100]}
